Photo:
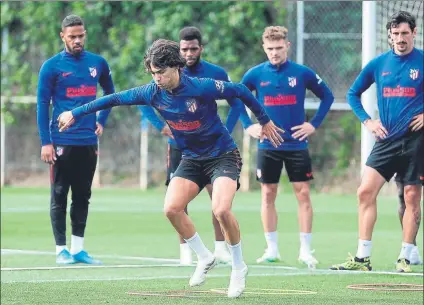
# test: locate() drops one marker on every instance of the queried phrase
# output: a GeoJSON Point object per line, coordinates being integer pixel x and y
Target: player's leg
{"type": "Point", "coordinates": [60, 183]}
{"type": "Point", "coordinates": [84, 160]}
{"type": "Point", "coordinates": [409, 173]}
{"type": "Point", "coordinates": [224, 173]}
{"type": "Point", "coordinates": [415, 258]}
{"type": "Point", "coordinates": [269, 166]}
{"type": "Point", "coordinates": [401, 197]}
{"type": "Point", "coordinates": [411, 224]}
{"type": "Point", "coordinates": [299, 171]}
{"type": "Point", "coordinates": [184, 186]}
{"type": "Point", "coordinates": [380, 167]}
{"type": "Point", "coordinates": [221, 253]}
{"type": "Point", "coordinates": [174, 156]}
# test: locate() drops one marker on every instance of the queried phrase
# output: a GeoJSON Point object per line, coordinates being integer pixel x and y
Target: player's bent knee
{"type": "Point", "coordinates": [365, 194]}
{"type": "Point", "coordinates": [171, 211]}
{"type": "Point", "coordinates": [221, 213]}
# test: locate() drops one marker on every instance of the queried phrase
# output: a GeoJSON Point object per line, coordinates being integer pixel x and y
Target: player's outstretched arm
{"type": "Point", "coordinates": [220, 89]}
{"type": "Point", "coordinates": [135, 96]}
{"type": "Point", "coordinates": [272, 133]}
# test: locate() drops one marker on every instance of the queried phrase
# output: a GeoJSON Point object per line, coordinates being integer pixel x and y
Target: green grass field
{"type": "Point", "coordinates": [127, 230]}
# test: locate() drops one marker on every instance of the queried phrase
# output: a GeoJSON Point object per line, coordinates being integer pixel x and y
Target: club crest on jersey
{"type": "Point", "coordinates": [292, 81]}
{"type": "Point", "coordinates": [59, 151]}
{"type": "Point", "coordinates": [414, 73]}
{"type": "Point", "coordinates": [191, 105]}
{"type": "Point", "coordinates": [93, 71]}
{"type": "Point", "coordinates": [219, 84]}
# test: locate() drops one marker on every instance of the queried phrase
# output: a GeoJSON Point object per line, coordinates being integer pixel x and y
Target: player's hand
{"type": "Point", "coordinates": [99, 129]}
{"type": "Point", "coordinates": [303, 131]}
{"type": "Point", "coordinates": [48, 155]}
{"type": "Point", "coordinates": [65, 119]}
{"type": "Point", "coordinates": [254, 130]}
{"type": "Point", "coordinates": [272, 133]}
{"type": "Point", "coordinates": [376, 128]}
{"type": "Point", "coordinates": [417, 122]}
{"type": "Point", "coordinates": [166, 131]}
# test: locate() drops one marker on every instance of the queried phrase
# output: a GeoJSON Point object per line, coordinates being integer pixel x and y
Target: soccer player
{"type": "Point", "coordinates": [191, 49]}
{"type": "Point", "coordinates": [280, 86]}
{"type": "Point", "coordinates": [399, 147]}
{"type": "Point", "coordinates": [70, 79]}
{"type": "Point", "coordinates": [209, 154]}
{"type": "Point", "coordinates": [416, 124]}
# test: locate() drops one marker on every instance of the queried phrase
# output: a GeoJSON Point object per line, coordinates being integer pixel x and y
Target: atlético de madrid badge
{"type": "Point", "coordinates": [414, 73]}
{"type": "Point", "coordinates": [59, 151]}
{"type": "Point", "coordinates": [191, 105]}
{"type": "Point", "coordinates": [93, 71]}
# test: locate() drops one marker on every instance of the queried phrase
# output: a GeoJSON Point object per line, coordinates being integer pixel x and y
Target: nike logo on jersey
{"type": "Point", "coordinates": [385, 73]}
{"type": "Point", "coordinates": [65, 74]}
{"type": "Point", "coordinates": [264, 84]}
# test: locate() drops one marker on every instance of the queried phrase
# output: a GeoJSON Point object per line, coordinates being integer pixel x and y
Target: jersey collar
{"type": "Point", "coordinates": [66, 54]}
{"type": "Point", "coordinates": [402, 57]}
{"type": "Point", "coordinates": [277, 68]}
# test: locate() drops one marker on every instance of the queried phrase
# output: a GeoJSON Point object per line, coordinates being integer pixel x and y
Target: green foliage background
{"type": "Point", "coordinates": [122, 31]}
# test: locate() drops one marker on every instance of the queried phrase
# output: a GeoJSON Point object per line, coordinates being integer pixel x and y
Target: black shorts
{"type": "Point", "coordinates": [270, 164]}
{"type": "Point", "coordinates": [403, 156]}
{"type": "Point", "coordinates": [203, 172]}
{"type": "Point", "coordinates": [173, 159]}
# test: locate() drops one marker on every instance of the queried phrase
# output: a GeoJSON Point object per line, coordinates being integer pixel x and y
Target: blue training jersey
{"type": "Point", "coordinates": [190, 110]}
{"type": "Point", "coordinates": [399, 83]}
{"type": "Point", "coordinates": [70, 81]}
{"type": "Point", "coordinates": [204, 69]}
{"type": "Point", "coordinates": [281, 90]}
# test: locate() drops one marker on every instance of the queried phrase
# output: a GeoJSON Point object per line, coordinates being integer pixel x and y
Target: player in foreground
{"type": "Point", "coordinates": [191, 49]}
{"type": "Point", "coordinates": [209, 153]}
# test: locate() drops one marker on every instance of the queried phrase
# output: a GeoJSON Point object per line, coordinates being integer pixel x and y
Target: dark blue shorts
{"type": "Point", "coordinates": [270, 163]}
{"type": "Point", "coordinates": [205, 171]}
{"type": "Point", "coordinates": [403, 157]}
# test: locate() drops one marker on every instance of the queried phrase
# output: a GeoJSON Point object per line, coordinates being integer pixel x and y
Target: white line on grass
{"type": "Point", "coordinates": [172, 277]}
{"type": "Point", "coordinates": [315, 271]}
{"type": "Point", "coordinates": [337, 271]}
{"type": "Point", "coordinates": [89, 267]}
{"type": "Point", "coordinates": [303, 271]}
{"type": "Point", "coordinates": [148, 278]}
